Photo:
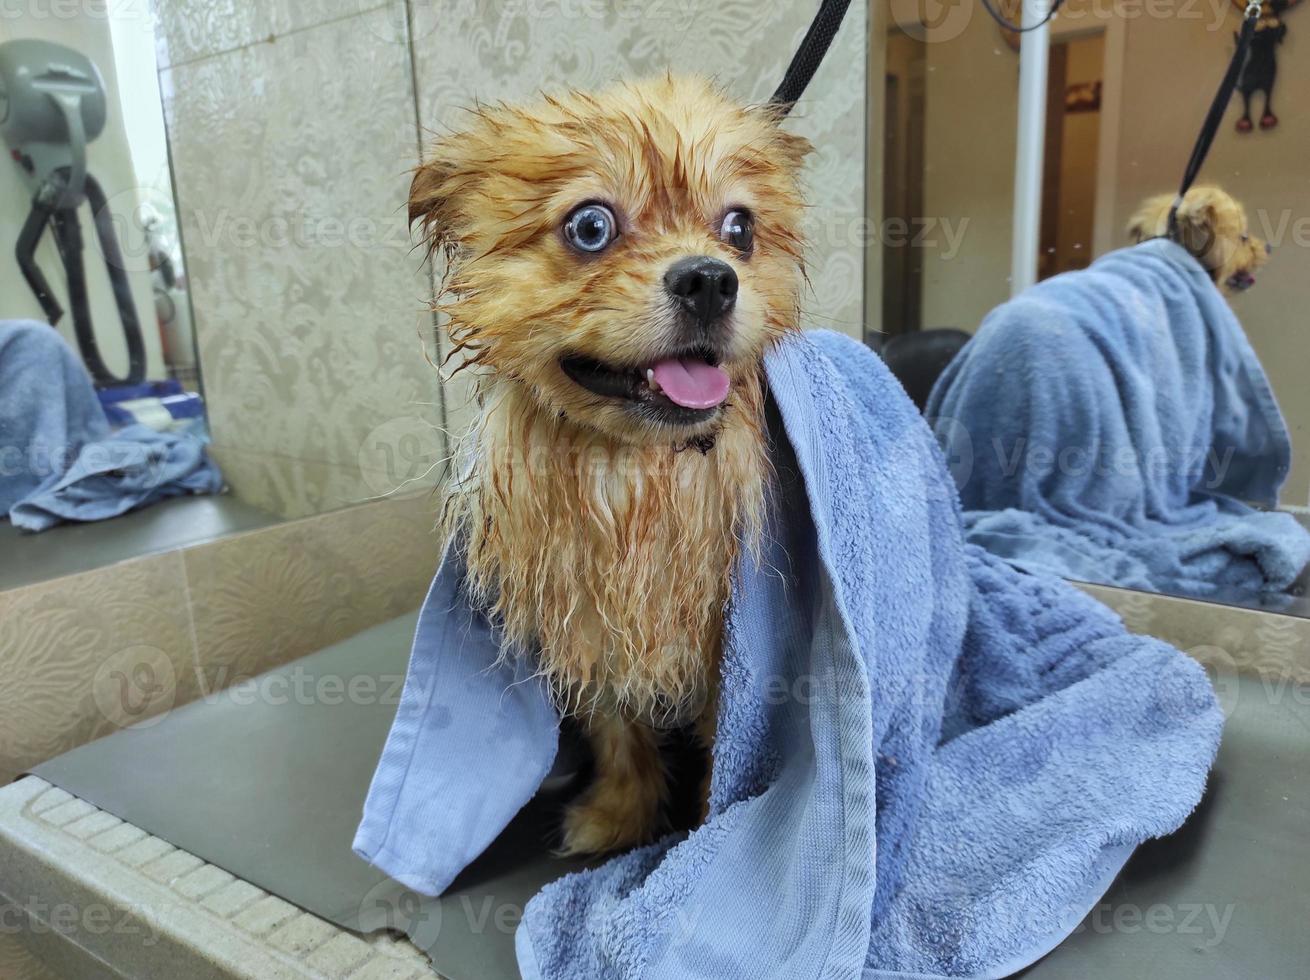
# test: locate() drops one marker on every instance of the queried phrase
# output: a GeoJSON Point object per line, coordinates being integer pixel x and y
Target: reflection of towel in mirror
{"type": "Point", "coordinates": [1114, 424]}
{"type": "Point", "coordinates": [59, 460]}
{"type": "Point", "coordinates": [925, 761]}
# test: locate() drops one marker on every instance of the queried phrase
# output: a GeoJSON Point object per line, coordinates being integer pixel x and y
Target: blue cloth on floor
{"type": "Point", "coordinates": [926, 761]}
{"type": "Point", "coordinates": [1114, 425]}
{"type": "Point", "coordinates": [59, 461]}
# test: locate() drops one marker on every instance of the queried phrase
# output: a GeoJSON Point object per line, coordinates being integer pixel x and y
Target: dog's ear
{"type": "Point", "coordinates": [786, 148]}
{"type": "Point", "coordinates": [1151, 219]}
{"type": "Point", "coordinates": [1137, 227]}
{"type": "Point", "coordinates": [431, 203]}
{"type": "Point", "coordinates": [1198, 223]}
{"type": "Point", "coordinates": [793, 149]}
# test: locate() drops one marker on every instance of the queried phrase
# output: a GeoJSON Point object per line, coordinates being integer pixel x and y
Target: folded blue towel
{"type": "Point", "coordinates": [48, 408]}
{"type": "Point", "coordinates": [59, 460]}
{"type": "Point", "coordinates": [1114, 425]}
{"type": "Point", "coordinates": [926, 762]}
{"type": "Point", "coordinates": [132, 468]}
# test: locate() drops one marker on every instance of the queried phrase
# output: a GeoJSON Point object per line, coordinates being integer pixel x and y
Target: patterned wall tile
{"type": "Point", "coordinates": [86, 654]}
{"type": "Point", "coordinates": [16, 961]}
{"type": "Point", "coordinates": [411, 461]}
{"type": "Point", "coordinates": [265, 598]}
{"type": "Point", "coordinates": [189, 29]}
{"type": "Point", "coordinates": [291, 160]}
{"type": "Point", "coordinates": [1226, 639]}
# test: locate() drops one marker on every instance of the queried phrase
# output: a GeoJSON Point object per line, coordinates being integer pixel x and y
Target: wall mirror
{"type": "Point", "coordinates": [1137, 419]}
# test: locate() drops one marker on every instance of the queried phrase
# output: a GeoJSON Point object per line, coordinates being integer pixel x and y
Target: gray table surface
{"type": "Point", "coordinates": [66, 549]}
{"type": "Point", "coordinates": [1226, 897]}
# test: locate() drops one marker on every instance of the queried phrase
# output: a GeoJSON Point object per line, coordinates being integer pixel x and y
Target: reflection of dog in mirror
{"type": "Point", "coordinates": [1212, 227]}
{"type": "Point", "coordinates": [617, 266]}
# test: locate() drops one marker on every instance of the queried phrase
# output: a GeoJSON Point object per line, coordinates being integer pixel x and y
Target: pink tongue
{"type": "Point", "coordinates": [691, 383]}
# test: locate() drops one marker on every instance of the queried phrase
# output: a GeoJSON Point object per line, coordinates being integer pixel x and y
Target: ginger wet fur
{"type": "Point", "coordinates": [616, 262]}
{"type": "Point", "coordinates": [1212, 226]}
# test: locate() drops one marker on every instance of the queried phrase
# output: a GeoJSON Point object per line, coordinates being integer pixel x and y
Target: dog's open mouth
{"type": "Point", "coordinates": [685, 388]}
{"type": "Point", "coordinates": [1240, 280]}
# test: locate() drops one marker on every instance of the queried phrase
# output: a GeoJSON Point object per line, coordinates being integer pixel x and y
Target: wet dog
{"type": "Point", "coordinates": [1212, 226]}
{"type": "Point", "coordinates": [617, 266]}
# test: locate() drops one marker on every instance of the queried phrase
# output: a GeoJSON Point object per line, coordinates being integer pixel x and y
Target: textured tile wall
{"type": "Point", "coordinates": [292, 128]}
{"type": "Point", "coordinates": [86, 654]}
{"type": "Point", "coordinates": [18, 963]}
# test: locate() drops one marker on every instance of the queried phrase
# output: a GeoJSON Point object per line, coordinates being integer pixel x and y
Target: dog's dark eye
{"type": "Point", "coordinates": [590, 228]}
{"type": "Point", "coordinates": [738, 230]}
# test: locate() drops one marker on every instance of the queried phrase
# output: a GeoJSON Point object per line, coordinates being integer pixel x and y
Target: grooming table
{"type": "Point", "coordinates": [216, 843]}
{"type": "Point", "coordinates": [166, 525]}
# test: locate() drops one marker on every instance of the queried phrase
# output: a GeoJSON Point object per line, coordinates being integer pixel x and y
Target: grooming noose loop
{"type": "Point", "coordinates": [1216, 114]}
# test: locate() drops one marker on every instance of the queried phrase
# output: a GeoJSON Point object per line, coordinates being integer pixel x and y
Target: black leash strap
{"type": "Point", "coordinates": [805, 62]}
{"type": "Point", "coordinates": [1216, 115]}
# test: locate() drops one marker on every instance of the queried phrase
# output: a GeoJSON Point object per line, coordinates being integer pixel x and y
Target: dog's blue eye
{"type": "Point", "coordinates": [590, 228]}
{"type": "Point", "coordinates": [738, 230]}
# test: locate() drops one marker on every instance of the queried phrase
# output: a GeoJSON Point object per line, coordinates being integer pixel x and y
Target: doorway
{"type": "Point", "coordinates": [902, 189]}
{"type": "Point", "coordinates": [1073, 132]}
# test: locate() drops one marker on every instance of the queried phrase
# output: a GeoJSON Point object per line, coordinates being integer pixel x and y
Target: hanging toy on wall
{"type": "Point", "coordinates": [1261, 66]}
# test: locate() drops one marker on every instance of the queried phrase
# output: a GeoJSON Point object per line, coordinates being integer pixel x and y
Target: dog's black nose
{"type": "Point", "coordinates": [705, 287]}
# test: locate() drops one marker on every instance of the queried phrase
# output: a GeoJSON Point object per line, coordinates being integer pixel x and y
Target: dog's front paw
{"type": "Point", "coordinates": [601, 822]}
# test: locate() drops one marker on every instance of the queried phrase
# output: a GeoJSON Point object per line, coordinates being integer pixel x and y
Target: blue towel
{"type": "Point", "coordinates": [926, 763]}
{"type": "Point", "coordinates": [1114, 425]}
{"type": "Point", "coordinates": [48, 408]}
{"type": "Point", "coordinates": [59, 461]}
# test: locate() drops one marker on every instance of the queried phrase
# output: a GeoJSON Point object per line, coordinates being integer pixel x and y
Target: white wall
{"type": "Point", "coordinates": [973, 81]}
{"type": "Point", "coordinates": [109, 158]}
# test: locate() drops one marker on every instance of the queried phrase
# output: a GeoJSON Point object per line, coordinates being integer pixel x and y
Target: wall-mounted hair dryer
{"type": "Point", "coordinates": [52, 104]}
